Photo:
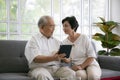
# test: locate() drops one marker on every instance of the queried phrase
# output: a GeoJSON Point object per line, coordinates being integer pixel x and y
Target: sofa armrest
{"type": "Point", "coordinates": [109, 62]}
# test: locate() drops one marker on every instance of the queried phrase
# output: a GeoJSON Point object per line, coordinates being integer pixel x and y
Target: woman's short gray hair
{"type": "Point", "coordinates": [43, 21]}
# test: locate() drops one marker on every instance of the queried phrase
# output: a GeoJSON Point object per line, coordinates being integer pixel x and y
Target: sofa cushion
{"type": "Point", "coordinates": [12, 58]}
{"type": "Point", "coordinates": [106, 73]}
{"type": "Point", "coordinates": [109, 62]}
{"type": "Point", "coordinates": [15, 76]}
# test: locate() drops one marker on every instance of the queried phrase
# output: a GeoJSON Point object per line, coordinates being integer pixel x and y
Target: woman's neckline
{"type": "Point", "coordinates": [79, 35]}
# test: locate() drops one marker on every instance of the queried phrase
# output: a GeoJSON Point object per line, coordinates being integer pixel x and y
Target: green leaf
{"type": "Point", "coordinates": [111, 25]}
{"type": "Point", "coordinates": [98, 36]}
{"type": "Point", "coordinates": [110, 41]}
{"type": "Point", "coordinates": [115, 52]}
{"type": "Point", "coordinates": [104, 28]}
{"type": "Point", "coordinates": [103, 20]}
{"type": "Point", "coordinates": [116, 37]}
{"type": "Point", "coordinates": [108, 45]}
{"type": "Point", "coordinates": [102, 52]}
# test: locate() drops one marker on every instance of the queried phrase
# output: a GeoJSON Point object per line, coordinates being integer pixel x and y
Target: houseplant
{"type": "Point", "coordinates": [109, 40]}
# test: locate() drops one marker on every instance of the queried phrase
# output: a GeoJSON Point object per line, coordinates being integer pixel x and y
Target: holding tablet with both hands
{"type": "Point", "coordinates": [65, 49]}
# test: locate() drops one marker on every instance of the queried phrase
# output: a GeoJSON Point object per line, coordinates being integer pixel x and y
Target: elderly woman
{"type": "Point", "coordinates": [82, 54]}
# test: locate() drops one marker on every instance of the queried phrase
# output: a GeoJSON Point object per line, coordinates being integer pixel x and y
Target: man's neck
{"type": "Point", "coordinates": [45, 35]}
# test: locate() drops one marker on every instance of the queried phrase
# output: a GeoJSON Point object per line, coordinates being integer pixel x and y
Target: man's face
{"type": "Point", "coordinates": [48, 29]}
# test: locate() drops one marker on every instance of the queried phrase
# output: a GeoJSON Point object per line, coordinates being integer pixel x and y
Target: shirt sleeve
{"type": "Point", "coordinates": [31, 50]}
{"type": "Point", "coordinates": [89, 48]}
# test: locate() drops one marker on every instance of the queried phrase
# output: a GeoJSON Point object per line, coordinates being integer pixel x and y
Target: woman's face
{"type": "Point", "coordinates": [67, 27]}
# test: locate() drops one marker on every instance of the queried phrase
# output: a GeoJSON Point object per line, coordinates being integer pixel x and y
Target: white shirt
{"type": "Point", "coordinates": [81, 50]}
{"type": "Point", "coordinates": [40, 45]}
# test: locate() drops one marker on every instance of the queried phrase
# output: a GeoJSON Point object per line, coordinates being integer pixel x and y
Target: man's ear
{"type": "Point", "coordinates": [41, 27]}
{"type": "Point", "coordinates": [41, 30]}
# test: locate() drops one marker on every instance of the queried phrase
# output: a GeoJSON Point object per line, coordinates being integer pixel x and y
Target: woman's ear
{"type": "Point", "coordinates": [74, 29]}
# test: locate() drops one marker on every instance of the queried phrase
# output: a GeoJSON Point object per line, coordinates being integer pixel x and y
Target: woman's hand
{"type": "Point", "coordinates": [66, 60]}
{"type": "Point", "coordinates": [76, 67]}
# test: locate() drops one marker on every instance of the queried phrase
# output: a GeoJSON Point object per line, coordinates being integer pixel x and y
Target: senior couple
{"type": "Point", "coordinates": [42, 53]}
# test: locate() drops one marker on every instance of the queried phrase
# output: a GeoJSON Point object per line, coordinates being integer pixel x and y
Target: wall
{"type": "Point", "coordinates": [115, 13]}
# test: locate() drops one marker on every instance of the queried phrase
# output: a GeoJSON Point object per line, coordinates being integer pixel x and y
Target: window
{"type": "Point", "coordinates": [18, 18]}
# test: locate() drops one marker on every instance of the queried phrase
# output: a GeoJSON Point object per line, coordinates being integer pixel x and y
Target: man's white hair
{"type": "Point", "coordinates": [43, 21]}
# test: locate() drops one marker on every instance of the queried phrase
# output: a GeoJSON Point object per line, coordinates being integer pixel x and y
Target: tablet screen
{"type": "Point", "coordinates": [65, 49]}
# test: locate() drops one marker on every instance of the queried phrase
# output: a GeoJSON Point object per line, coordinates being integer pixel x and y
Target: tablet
{"type": "Point", "coordinates": [65, 49]}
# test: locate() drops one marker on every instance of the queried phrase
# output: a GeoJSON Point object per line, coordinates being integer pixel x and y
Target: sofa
{"type": "Point", "coordinates": [14, 66]}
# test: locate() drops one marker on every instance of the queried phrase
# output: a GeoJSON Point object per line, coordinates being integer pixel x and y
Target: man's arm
{"type": "Point", "coordinates": [45, 59]}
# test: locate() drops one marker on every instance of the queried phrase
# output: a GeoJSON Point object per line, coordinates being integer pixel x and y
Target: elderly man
{"type": "Point", "coordinates": [41, 53]}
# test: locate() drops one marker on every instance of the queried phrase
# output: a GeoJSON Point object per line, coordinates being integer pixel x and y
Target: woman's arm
{"type": "Point", "coordinates": [87, 62]}
{"type": "Point", "coordinates": [91, 55]}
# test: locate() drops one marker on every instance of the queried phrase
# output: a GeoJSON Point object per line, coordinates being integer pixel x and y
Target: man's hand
{"type": "Point", "coordinates": [66, 60]}
{"type": "Point", "coordinates": [76, 67]}
{"type": "Point", "coordinates": [58, 57]}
